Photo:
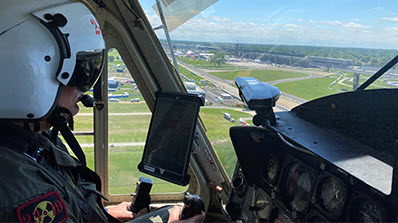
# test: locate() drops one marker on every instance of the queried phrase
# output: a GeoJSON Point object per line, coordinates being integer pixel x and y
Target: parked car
{"type": "Point", "coordinates": [113, 100]}
{"type": "Point", "coordinates": [227, 116]}
{"type": "Point", "coordinates": [218, 99]}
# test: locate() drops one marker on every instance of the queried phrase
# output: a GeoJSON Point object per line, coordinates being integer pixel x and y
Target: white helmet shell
{"type": "Point", "coordinates": [34, 62]}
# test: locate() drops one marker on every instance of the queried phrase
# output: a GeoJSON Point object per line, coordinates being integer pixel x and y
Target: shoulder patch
{"type": "Point", "coordinates": [46, 208]}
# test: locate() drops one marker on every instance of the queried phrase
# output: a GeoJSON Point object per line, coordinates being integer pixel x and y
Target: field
{"type": "Point", "coordinates": [192, 77]}
{"type": "Point", "coordinates": [261, 75]}
{"type": "Point", "coordinates": [189, 75]}
{"type": "Point", "coordinates": [311, 88]}
{"type": "Point", "coordinates": [123, 172]}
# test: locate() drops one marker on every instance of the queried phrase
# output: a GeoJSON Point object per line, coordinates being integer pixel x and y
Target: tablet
{"type": "Point", "coordinates": [170, 137]}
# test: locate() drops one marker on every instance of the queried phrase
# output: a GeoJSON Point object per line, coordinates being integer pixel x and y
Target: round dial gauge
{"type": "Point", "coordinates": [366, 210]}
{"type": "Point", "coordinates": [272, 168]}
{"type": "Point", "coordinates": [298, 187]}
{"type": "Point", "coordinates": [262, 204]}
{"type": "Point", "coordinates": [283, 218]}
{"type": "Point", "coordinates": [333, 194]}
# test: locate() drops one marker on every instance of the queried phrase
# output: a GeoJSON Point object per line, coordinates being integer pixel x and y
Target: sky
{"type": "Point", "coordinates": [338, 23]}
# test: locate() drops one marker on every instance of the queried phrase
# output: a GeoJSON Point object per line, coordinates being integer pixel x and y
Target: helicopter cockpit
{"type": "Point", "coordinates": [294, 120]}
{"type": "Point", "coordinates": [312, 150]}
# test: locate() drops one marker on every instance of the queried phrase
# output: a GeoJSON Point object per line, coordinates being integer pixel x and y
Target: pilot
{"type": "Point", "coordinates": [51, 53]}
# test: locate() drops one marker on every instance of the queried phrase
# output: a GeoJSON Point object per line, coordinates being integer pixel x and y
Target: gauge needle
{"type": "Point", "coordinates": [364, 213]}
{"type": "Point", "coordinates": [259, 206]}
{"type": "Point", "coordinates": [337, 194]}
{"type": "Point", "coordinates": [262, 205]}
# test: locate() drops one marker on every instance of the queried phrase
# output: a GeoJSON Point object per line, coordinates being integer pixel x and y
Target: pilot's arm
{"type": "Point", "coordinates": [176, 213]}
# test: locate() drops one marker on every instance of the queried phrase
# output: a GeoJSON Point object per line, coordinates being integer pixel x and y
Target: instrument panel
{"type": "Point", "coordinates": [294, 186]}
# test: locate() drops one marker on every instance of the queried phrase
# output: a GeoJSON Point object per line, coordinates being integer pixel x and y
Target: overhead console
{"type": "Point", "coordinates": [317, 165]}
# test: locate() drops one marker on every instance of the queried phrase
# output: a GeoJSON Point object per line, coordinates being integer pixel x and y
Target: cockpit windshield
{"type": "Point", "coordinates": [307, 49]}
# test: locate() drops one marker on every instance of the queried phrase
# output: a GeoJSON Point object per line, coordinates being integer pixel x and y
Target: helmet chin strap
{"type": "Point", "coordinates": [36, 126]}
{"type": "Point", "coordinates": [65, 125]}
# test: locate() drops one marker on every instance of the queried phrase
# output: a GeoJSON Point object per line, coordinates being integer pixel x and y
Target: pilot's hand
{"type": "Point", "coordinates": [121, 212]}
{"type": "Point", "coordinates": [176, 212]}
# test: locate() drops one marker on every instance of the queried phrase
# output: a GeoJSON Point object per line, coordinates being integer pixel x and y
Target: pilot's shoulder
{"type": "Point", "coordinates": [26, 186]}
{"type": "Point", "coordinates": [23, 176]}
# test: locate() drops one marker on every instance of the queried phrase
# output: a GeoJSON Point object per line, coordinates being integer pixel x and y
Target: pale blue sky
{"type": "Point", "coordinates": [343, 23]}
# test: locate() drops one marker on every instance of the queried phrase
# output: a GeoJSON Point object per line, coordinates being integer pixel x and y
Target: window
{"type": "Point", "coordinates": [128, 120]}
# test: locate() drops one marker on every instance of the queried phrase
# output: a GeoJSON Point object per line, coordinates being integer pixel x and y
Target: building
{"type": "Point", "coordinates": [330, 62]}
{"type": "Point", "coordinates": [114, 84]}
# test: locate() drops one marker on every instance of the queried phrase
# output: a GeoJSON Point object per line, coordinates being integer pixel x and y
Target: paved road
{"type": "Point", "coordinates": [287, 101]}
{"type": "Point", "coordinates": [219, 82]}
{"type": "Point", "coordinates": [293, 98]}
{"type": "Point", "coordinates": [294, 79]}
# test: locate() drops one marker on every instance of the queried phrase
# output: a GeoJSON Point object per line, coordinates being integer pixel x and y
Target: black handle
{"type": "Point", "coordinates": [193, 205]}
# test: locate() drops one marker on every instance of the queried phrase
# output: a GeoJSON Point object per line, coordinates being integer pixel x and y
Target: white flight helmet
{"type": "Point", "coordinates": [45, 44]}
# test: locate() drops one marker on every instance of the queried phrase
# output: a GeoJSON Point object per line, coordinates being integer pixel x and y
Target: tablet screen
{"type": "Point", "coordinates": [168, 146]}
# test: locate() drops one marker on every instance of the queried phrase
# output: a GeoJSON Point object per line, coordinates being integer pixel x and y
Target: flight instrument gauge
{"type": "Point", "coordinates": [298, 187]}
{"type": "Point", "coordinates": [283, 218]}
{"type": "Point", "coordinates": [367, 210]}
{"type": "Point", "coordinates": [272, 168]}
{"type": "Point", "coordinates": [261, 206]}
{"type": "Point", "coordinates": [333, 193]}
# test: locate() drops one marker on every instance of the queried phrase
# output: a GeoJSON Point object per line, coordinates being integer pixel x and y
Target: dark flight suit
{"type": "Point", "coordinates": [50, 185]}
{"type": "Point", "coordinates": [41, 182]}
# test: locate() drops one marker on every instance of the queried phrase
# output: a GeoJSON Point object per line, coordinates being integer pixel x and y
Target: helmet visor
{"type": "Point", "coordinates": [89, 65]}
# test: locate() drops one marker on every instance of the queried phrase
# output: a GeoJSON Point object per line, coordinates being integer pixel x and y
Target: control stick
{"type": "Point", "coordinates": [193, 205]}
{"type": "Point", "coordinates": [141, 197]}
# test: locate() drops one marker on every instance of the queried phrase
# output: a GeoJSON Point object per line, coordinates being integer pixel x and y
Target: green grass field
{"type": "Point", "coordinates": [123, 172]}
{"type": "Point", "coordinates": [311, 88]}
{"type": "Point", "coordinates": [117, 107]}
{"type": "Point", "coordinates": [198, 80]}
{"type": "Point", "coordinates": [217, 127]}
{"type": "Point", "coordinates": [127, 128]}
{"type": "Point", "coordinates": [188, 74]}
{"type": "Point", "coordinates": [261, 75]}
{"type": "Point", "coordinates": [115, 54]}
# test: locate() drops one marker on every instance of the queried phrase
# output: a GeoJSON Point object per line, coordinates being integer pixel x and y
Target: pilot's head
{"type": "Point", "coordinates": [51, 51]}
